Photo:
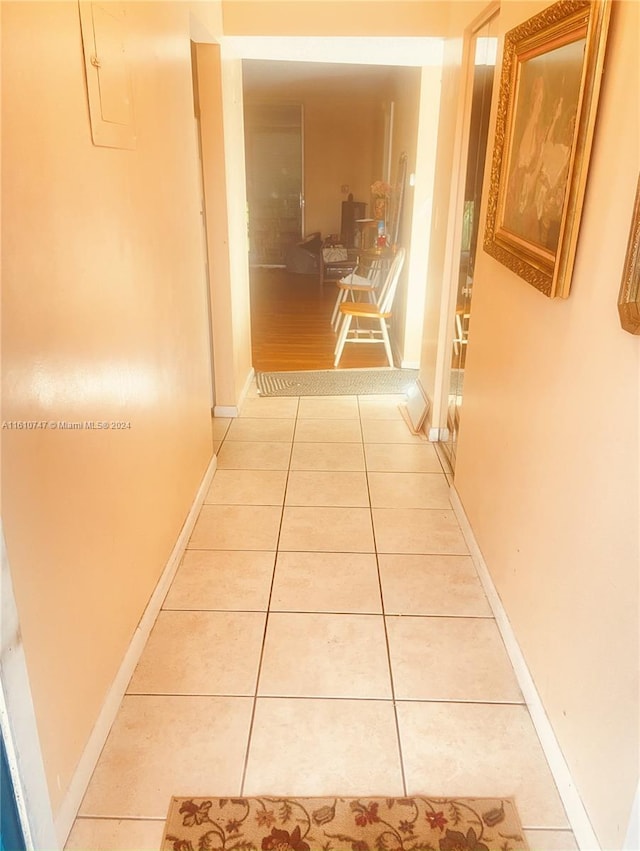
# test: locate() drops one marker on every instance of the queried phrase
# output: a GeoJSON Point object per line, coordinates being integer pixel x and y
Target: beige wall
{"type": "Point", "coordinates": [548, 468]}
{"type": "Point", "coordinates": [210, 108]}
{"type": "Point", "coordinates": [237, 286]}
{"type": "Point", "coordinates": [103, 319]}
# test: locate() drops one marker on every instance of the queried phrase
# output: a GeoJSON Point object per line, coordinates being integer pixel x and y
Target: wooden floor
{"type": "Point", "coordinates": [291, 325]}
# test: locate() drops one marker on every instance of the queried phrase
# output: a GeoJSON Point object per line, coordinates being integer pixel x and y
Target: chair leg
{"type": "Point", "coordinates": [335, 316]}
{"type": "Point", "coordinates": [342, 338]}
{"type": "Point", "coordinates": [387, 342]}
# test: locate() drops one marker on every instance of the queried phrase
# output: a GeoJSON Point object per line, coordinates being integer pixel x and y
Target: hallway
{"type": "Point", "coordinates": [326, 633]}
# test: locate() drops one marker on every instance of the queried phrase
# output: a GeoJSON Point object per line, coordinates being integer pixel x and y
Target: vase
{"type": "Point", "coordinates": [379, 209]}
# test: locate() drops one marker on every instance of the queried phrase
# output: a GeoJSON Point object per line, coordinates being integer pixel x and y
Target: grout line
{"type": "Point", "coordinates": [339, 698]}
{"type": "Point", "coordinates": [368, 613]}
{"type": "Point", "coordinates": [386, 638]}
{"type": "Point", "coordinates": [266, 620]}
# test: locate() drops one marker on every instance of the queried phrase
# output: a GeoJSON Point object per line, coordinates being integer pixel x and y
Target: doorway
{"type": "Point", "coordinates": [273, 145]}
{"type": "Point", "coordinates": [483, 48]}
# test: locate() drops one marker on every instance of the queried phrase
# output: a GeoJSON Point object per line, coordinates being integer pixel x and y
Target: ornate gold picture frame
{"type": "Point", "coordinates": [629, 297]}
{"type": "Point", "coordinates": [549, 86]}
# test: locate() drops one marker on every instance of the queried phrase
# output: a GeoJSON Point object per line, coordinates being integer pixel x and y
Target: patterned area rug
{"type": "Point", "coordinates": [336, 382]}
{"type": "Point", "coordinates": [343, 824]}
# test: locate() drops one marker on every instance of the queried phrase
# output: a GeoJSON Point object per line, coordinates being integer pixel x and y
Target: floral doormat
{"type": "Point", "coordinates": [343, 824]}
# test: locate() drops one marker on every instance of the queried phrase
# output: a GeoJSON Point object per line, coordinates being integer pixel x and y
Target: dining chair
{"type": "Point", "coordinates": [369, 314]}
{"type": "Point", "coordinates": [363, 280]}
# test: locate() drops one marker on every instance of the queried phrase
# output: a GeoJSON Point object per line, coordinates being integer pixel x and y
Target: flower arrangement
{"type": "Point", "coordinates": [380, 189]}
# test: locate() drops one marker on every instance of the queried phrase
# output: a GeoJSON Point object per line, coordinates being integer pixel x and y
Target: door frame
{"type": "Point", "coordinates": [19, 727]}
{"type": "Point", "coordinates": [439, 430]}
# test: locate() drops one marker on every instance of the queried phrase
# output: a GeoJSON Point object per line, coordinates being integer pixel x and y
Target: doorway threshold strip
{"type": "Point", "coordinates": [336, 382]}
{"type": "Point", "coordinates": [344, 824]}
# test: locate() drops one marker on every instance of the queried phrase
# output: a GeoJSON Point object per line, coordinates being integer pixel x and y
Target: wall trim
{"type": "Point", "coordinates": [225, 411]}
{"type": "Point", "coordinates": [234, 410]}
{"type": "Point", "coordinates": [437, 435]}
{"type": "Point", "coordinates": [82, 775]}
{"type": "Point", "coordinates": [632, 839]}
{"type": "Point", "coordinates": [574, 807]}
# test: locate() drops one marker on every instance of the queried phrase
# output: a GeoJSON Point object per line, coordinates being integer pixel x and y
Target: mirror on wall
{"type": "Point", "coordinates": [483, 49]}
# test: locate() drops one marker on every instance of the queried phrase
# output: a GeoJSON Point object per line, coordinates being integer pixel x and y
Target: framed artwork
{"type": "Point", "coordinates": [549, 86]}
{"type": "Point", "coordinates": [629, 297]}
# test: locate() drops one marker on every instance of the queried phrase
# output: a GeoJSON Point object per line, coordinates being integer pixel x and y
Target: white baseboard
{"type": "Point", "coordinates": [73, 798]}
{"type": "Point", "coordinates": [632, 839]}
{"type": "Point", "coordinates": [575, 809]}
{"type": "Point", "coordinates": [234, 410]}
{"type": "Point", "coordinates": [247, 386]}
{"type": "Point", "coordinates": [436, 435]}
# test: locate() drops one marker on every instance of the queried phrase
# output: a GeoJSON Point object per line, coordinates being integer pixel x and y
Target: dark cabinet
{"type": "Point", "coordinates": [351, 211]}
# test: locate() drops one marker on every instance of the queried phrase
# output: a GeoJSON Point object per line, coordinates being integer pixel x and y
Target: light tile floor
{"type": "Point", "coordinates": [326, 633]}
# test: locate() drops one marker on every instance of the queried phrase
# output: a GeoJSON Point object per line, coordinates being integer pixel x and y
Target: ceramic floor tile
{"type": "Point", "coordinates": [316, 487]}
{"type": "Point", "coordinates": [280, 408]}
{"type": "Point", "coordinates": [326, 582]}
{"type": "Point", "coordinates": [201, 653]}
{"type": "Point", "coordinates": [264, 429]}
{"type": "Point", "coordinates": [381, 407]}
{"type": "Point", "coordinates": [478, 749]}
{"type": "Point", "coordinates": [416, 530]}
{"type": "Point", "coordinates": [450, 659]}
{"type": "Point", "coordinates": [338, 530]}
{"type": "Point", "coordinates": [254, 455]}
{"type": "Point", "coordinates": [431, 585]}
{"type": "Point", "coordinates": [90, 834]}
{"type": "Point", "coordinates": [551, 840]}
{"type": "Point", "coordinates": [401, 458]}
{"type": "Point", "coordinates": [321, 655]}
{"type": "Point", "coordinates": [247, 487]}
{"type": "Point", "coordinates": [220, 426]}
{"type": "Point", "coordinates": [328, 407]}
{"type": "Point", "coordinates": [236, 527]}
{"type": "Point", "coordinates": [323, 747]}
{"type": "Point", "coordinates": [328, 431]}
{"type": "Point", "coordinates": [328, 456]}
{"type": "Point", "coordinates": [222, 579]}
{"type": "Point", "coordinates": [161, 746]}
{"type": "Point", "coordinates": [409, 490]}
{"type": "Point", "coordinates": [389, 431]}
